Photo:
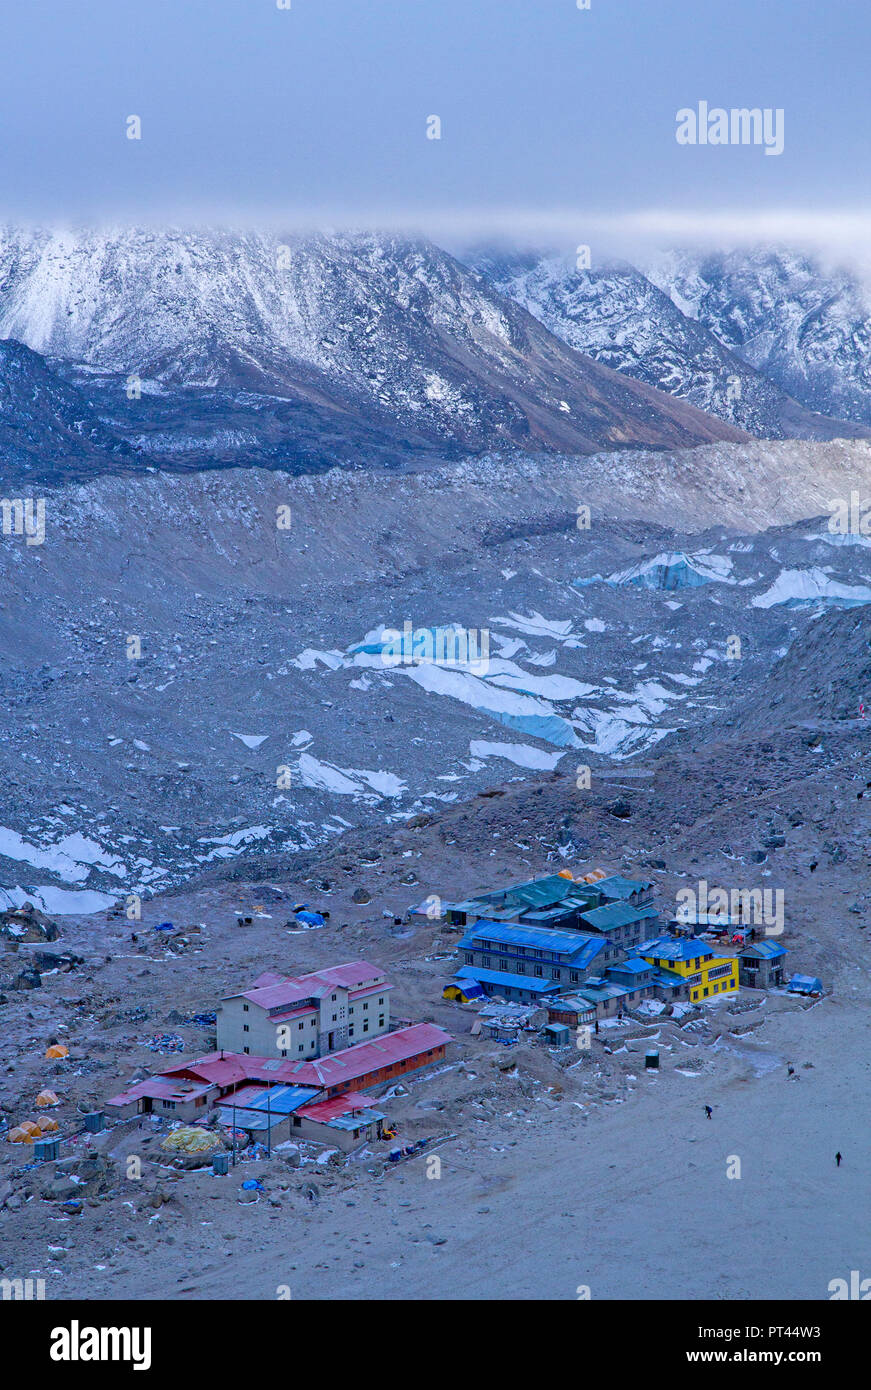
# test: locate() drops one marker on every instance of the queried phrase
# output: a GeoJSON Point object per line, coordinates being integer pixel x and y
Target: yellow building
{"type": "Point", "coordinates": [705, 974]}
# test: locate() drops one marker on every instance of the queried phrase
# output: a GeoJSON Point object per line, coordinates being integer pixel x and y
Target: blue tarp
{"type": "Point", "coordinates": [805, 984]}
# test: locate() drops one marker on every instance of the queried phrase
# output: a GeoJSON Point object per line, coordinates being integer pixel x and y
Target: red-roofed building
{"type": "Point", "coordinates": [186, 1089]}
{"type": "Point", "coordinates": [372, 1063]}
{"type": "Point", "coordinates": [304, 1016]}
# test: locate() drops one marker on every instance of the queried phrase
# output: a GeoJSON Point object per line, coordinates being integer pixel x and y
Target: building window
{"type": "Point", "coordinates": [350, 1008]}
{"type": "Point", "coordinates": [301, 1048]}
{"type": "Point", "coordinates": [351, 1031]}
{"type": "Point", "coordinates": [538, 970]}
{"type": "Point", "coordinates": [332, 998]}
{"type": "Point", "coordinates": [246, 1049]}
{"type": "Point", "coordinates": [381, 1001]}
{"type": "Point", "coordinates": [299, 1027]}
{"type": "Point", "coordinates": [381, 1021]}
{"type": "Point", "coordinates": [334, 1018]}
{"type": "Point", "coordinates": [244, 1008]}
{"type": "Point", "coordinates": [366, 1005]}
{"type": "Point", "coordinates": [470, 959]}
{"type": "Point", "coordinates": [245, 1028]}
{"type": "Point", "coordinates": [366, 1026]}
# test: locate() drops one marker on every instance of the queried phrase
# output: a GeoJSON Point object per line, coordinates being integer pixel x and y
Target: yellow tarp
{"type": "Point", "coordinates": [190, 1139]}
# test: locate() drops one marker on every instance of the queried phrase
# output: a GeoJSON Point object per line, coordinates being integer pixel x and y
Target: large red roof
{"type": "Point", "coordinates": [271, 991]}
{"type": "Point", "coordinates": [365, 1057]}
{"type": "Point", "coordinates": [225, 1069]}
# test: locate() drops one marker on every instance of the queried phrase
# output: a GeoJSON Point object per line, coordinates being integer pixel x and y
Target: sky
{"type": "Point", "coordinates": [551, 116]}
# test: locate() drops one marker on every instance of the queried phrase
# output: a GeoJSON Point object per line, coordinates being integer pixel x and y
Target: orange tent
{"type": "Point", "coordinates": [48, 1125]}
{"type": "Point", "coordinates": [25, 1133]}
{"type": "Point", "coordinates": [57, 1050]}
{"type": "Point", "coordinates": [47, 1098]}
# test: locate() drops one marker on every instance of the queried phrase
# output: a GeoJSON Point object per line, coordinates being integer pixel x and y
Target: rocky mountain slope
{"type": "Point", "coordinates": [806, 326]}
{"type": "Point", "coordinates": [668, 334]}
{"type": "Point", "coordinates": [50, 426]}
{"type": "Point", "coordinates": [307, 352]}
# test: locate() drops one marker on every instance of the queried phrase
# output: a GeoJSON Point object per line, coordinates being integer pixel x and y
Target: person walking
{"type": "Point", "coordinates": [838, 1159]}
{"type": "Point", "coordinates": [708, 1111]}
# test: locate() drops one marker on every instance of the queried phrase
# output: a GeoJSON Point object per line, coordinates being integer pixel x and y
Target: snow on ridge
{"type": "Point", "coordinates": [673, 569]}
{"type": "Point", "coordinates": [522, 754]}
{"type": "Point", "coordinates": [795, 588]}
{"type": "Point", "coordinates": [71, 858]}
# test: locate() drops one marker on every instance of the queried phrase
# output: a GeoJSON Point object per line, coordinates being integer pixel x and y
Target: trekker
{"type": "Point", "coordinates": [838, 1159]}
{"type": "Point", "coordinates": [708, 1111]}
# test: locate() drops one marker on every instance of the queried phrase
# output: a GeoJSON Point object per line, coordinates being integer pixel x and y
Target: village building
{"type": "Point", "coordinates": [559, 896]}
{"type": "Point", "coordinates": [634, 892]}
{"type": "Point", "coordinates": [306, 1015]}
{"type": "Point", "coordinates": [525, 963]}
{"type": "Point", "coordinates": [572, 1010]}
{"type": "Point", "coordinates": [296, 1089]}
{"type": "Point", "coordinates": [635, 975]}
{"type": "Point", "coordinates": [623, 925]}
{"type": "Point", "coordinates": [761, 964]}
{"type": "Point", "coordinates": [702, 972]}
{"type": "Point", "coordinates": [557, 900]}
{"type": "Point", "coordinates": [274, 1114]}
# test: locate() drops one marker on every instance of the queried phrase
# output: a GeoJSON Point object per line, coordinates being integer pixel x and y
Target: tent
{"type": "Point", "coordinates": [47, 1098]}
{"type": "Point", "coordinates": [57, 1050]}
{"type": "Point", "coordinates": [462, 991]}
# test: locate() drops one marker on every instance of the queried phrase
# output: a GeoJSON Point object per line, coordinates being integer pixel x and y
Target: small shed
{"type": "Point", "coordinates": [557, 1034]}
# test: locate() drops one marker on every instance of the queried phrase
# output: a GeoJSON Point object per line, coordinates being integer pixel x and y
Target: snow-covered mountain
{"type": "Point", "coordinates": [807, 327]}
{"type": "Point", "coordinates": [358, 336]}
{"type": "Point", "coordinates": [660, 328]}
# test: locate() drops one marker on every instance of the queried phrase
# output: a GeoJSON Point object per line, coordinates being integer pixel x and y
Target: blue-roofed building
{"type": "Point", "coordinates": [704, 973]}
{"type": "Point", "coordinates": [635, 975]}
{"type": "Point", "coordinates": [760, 964]}
{"type": "Point", "coordinates": [523, 962]}
{"type": "Point", "coordinates": [608, 999]}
